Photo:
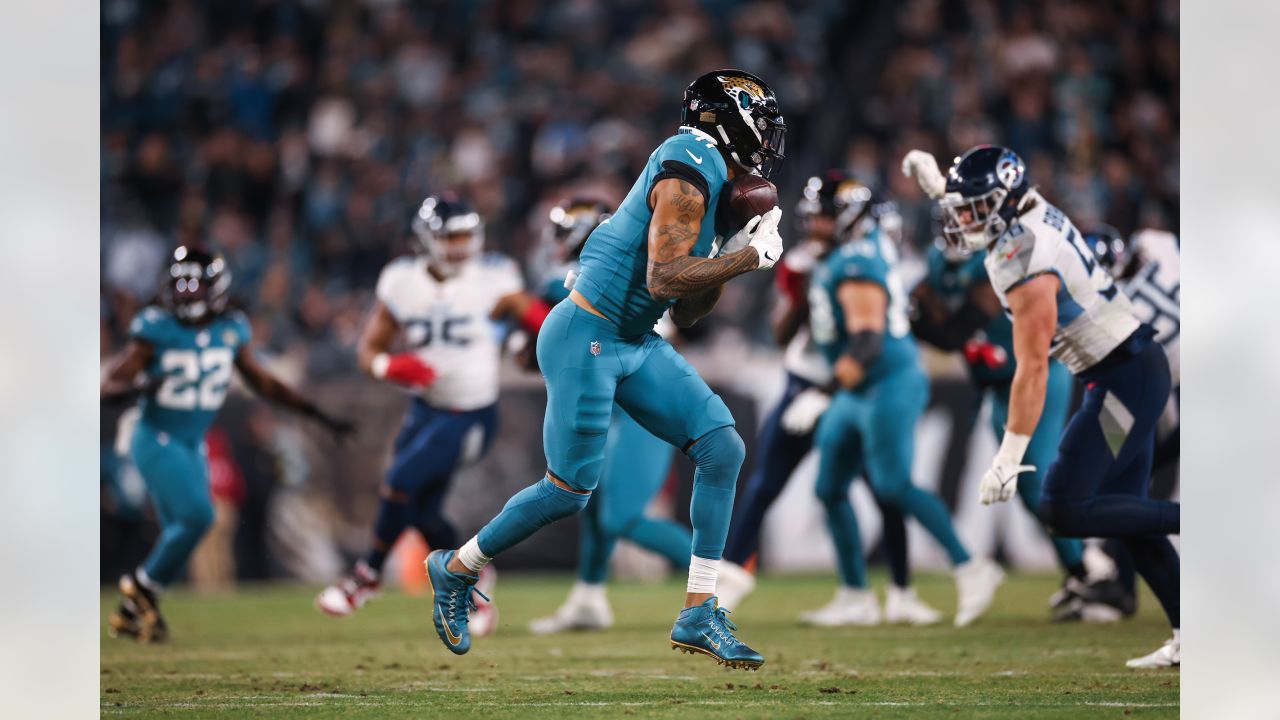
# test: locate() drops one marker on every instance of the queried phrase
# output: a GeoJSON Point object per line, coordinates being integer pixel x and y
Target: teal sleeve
{"type": "Point", "coordinates": [695, 160]}
{"type": "Point", "coordinates": [244, 330]}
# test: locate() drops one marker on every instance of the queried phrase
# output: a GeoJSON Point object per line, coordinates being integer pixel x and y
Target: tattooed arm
{"type": "Point", "coordinates": [678, 211]}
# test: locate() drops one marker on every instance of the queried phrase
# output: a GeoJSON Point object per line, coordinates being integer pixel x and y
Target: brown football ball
{"type": "Point", "coordinates": [749, 196]}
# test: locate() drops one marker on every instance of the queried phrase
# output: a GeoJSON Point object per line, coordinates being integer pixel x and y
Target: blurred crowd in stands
{"type": "Point", "coordinates": [298, 136]}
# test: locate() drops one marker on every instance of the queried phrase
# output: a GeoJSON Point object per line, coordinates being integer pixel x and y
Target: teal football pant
{"type": "Point", "coordinates": [872, 433]}
{"type": "Point", "coordinates": [1042, 450]}
{"type": "Point", "coordinates": [587, 366]}
{"type": "Point", "coordinates": [176, 474]}
{"type": "Point", "coordinates": [636, 465]}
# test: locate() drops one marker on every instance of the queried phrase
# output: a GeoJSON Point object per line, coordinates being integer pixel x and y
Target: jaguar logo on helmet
{"type": "Point", "coordinates": [735, 87]}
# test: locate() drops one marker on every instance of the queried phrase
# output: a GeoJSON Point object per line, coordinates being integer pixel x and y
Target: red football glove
{"type": "Point", "coordinates": [791, 283]}
{"type": "Point", "coordinates": [404, 368]}
{"type": "Point", "coordinates": [981, 352]}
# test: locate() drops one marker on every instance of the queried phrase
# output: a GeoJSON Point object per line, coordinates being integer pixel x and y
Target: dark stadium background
{"type": "Point", "coordinates": [297, 137]}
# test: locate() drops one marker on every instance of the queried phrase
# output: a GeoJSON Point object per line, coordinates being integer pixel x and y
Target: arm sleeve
{"type": "Point", "coordinates": [1014, 259]}
{"type": "Point", "coordinates": [863, 268]}
{"type": "Point", "coordinates": [243, 328]}
{"type": "Point", "coordinates": [687, 158]}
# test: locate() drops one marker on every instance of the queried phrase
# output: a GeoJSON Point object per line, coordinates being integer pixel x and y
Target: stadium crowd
{"type": "Point", "coordinates": [298, 136]}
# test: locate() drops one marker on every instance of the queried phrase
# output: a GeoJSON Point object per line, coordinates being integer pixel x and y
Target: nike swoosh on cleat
{"type": "Point", "coordinates": [453, 639]}
{"type": "Point", "coordinates": [695, 157]}
{"type": "Point", "coordinates": [714, 644]}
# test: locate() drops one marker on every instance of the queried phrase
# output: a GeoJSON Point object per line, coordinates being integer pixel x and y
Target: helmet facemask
{"type": "Point", "coordinates": [970, 224]}
{"type": "Point", "coordinates": [448, 242]}
{"type": "Point", "coordinates": [195, 289]}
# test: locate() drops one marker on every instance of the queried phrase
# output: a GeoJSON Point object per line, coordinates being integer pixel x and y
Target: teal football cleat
{"type": "Point", "coordinates": [705, 629]}
{"type": "Point", "coordinates": [452, 600]}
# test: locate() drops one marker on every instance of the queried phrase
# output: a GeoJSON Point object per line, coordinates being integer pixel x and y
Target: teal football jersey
{"type": "Point", "coordinates": [616, 256]}
{"type": "Point", "coordinates": [874, 259]}
{"type": "Point", "coordinates": [952, 282]}
{"type": "Point", "coordinates": [195, 363]}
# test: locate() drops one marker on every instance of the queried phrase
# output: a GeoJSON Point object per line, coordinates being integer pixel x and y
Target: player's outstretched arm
{"type": "Point", "coordinates": [678, 211]}
{"type": "Point", "coordinates": [375, 360]}
{"type": "Point", "coordinates": [122, 370]}
{"type": "Point", "coordinates": [262, 382]}
{"type": "Point", "coordinates": [1034, 305]}
{"type": "Point", "coordinates": [864, 306]}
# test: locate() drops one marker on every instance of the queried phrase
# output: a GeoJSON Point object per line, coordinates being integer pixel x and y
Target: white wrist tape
{"type": "Point", "coordinates": [1013, 447]}
{"type": "Point", "coordinates": [379, 365]}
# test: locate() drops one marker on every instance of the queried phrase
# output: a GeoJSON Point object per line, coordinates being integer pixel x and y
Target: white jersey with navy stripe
{"type": "Point", "coordinates": [1094, 317]}
{"type": "Point", "coordinates": [446, 323]}
{"type": "Point", "coordinates": [1156, 288]}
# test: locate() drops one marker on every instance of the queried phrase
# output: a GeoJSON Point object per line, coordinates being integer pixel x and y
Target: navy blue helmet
{"type": "Point", "coordinates": [1110, 247]}
{"type": "Point", "coordinates": [448, 231]}
{"type": "Point", "coordinates": [740, 113]}
{"type": "Point", "coordinates": [985, 189]}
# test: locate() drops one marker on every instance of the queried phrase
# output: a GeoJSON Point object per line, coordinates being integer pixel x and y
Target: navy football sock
{"type": "Point", "coordinates": [394, 515]}
{"type": "Point", "coordinates": [895, 544]}
{"type": "Point", "coordinates": [1158, 563]}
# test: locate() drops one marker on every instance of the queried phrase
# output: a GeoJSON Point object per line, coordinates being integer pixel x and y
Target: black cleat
{"type": "Point", "coordinates": [148, 624]}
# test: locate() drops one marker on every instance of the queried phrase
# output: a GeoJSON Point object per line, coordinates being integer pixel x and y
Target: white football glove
{"type": "Point", "coordinates": [924, 168]}
{"type": "Point", "coordinates": [802, 414]}
{"type": "Point", "coordinates": [1000, 481]}
{"type": "Point", "coordinates": [760, 232]}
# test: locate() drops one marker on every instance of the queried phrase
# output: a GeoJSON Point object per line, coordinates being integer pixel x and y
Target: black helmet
{"type": "Point", "coordinates": [441, 216]}
{"type": "Point", "coordinates": [572, 222]}
{"type": "Point", "coordinates": [985, 189]}
{"type": "Point", "coordinates": [836, 194]}
{"type": "Point", "coordinates": [740, 113]}
{"type": "Point", "coordinates": [1110, 247]}
{"type": "Point", "coordinates": [195, 288]}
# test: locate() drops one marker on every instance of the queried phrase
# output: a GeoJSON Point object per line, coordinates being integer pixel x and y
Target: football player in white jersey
{"type": "Point", "coordinates": [438, 303]}
{"type": "Point", "coordinates": [1064, 305]}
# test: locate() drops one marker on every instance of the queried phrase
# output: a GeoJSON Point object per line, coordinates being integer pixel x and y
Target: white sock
{"type": "Point", "coordinates": [703, 574]}
{"type": "Point", "coordinates": [587, 592]}
{"type": "Point", "coordinates": [148, 582]}
{"type": "Point", "coordinates": [471, 557]}
{"type": "Point", "coordinates": [1177, 637]}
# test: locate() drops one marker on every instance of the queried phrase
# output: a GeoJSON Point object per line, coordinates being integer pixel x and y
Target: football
{"type": "Point", "coordinates": [749, 196]}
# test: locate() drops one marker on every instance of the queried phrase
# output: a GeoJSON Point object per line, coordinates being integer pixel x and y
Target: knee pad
{"type": "Point", "coordinates": [718, 456]}
{"type": "Point", "coordinates": [555, 502]}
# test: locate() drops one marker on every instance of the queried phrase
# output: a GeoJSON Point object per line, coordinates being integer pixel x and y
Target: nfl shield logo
{"type": "Point", "coordinates": [595, 347]}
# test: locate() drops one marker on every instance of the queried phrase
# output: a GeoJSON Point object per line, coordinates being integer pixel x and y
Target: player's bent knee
{"type": "Point", "coordinates": [1061, 517]}
{"type": "Point", "coordinates": [197, 520]}
{"type": "Point", "coordinates": [719, 455]}
{"type": "Point", "coordinates": [829, 493]}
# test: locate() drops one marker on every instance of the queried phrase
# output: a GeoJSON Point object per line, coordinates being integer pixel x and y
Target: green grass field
{"type": "Point", "coordinates": [265, 652]}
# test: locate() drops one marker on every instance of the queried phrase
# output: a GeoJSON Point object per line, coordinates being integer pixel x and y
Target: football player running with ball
{"type": "Point", "coordinates": [1063, 305]}
{"type": "Point", "coordinates": [440, 302]}
{"type": "Point", "coordinates": [179, 357]}
{"type": "Point", "coordinates": [655, 254]}
{"type": "Point", "coordinates": [636, 463]}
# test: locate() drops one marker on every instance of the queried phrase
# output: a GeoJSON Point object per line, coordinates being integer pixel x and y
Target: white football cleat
{"type": "Point", "coordinates": [851, 606]}
{"type": "Point", "coordinates": [733, 585]}
{"type": "Point", "coordinates": [586, 608]}
{"type": "Point", "coordinates": [1168, 655]}
{"type": "Point", "coordinates": [350, 593]}
{"type": "Point", "coordinates": [484, 619]}
{"type": "Point", "coordinates": [903, 607]}
{"type": "Point", "coordinates": [976, 583]}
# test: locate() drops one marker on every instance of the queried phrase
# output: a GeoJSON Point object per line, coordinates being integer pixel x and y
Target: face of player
{"type": "Point", "coordinates": [822, 229]}
{"type": "Point", "coordinates": [459, 247]}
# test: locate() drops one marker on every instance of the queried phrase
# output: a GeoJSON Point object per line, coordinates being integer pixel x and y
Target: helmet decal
{"type": "Point", "coordinates": [1009, 170]}
{"type": "Point", "coordinates": [735, 86]}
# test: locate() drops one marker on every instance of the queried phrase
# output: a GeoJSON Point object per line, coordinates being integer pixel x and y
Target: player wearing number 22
{"type": "Point", "coordinates": [656, 253]}
{"type": "Point", "coordinates": [1065, 306]}
{"type": "Point", "coordinates": [180, 355]}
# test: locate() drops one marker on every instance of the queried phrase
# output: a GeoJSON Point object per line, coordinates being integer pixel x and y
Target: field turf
{"type": "Point", "coordinates": [265, 652]}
